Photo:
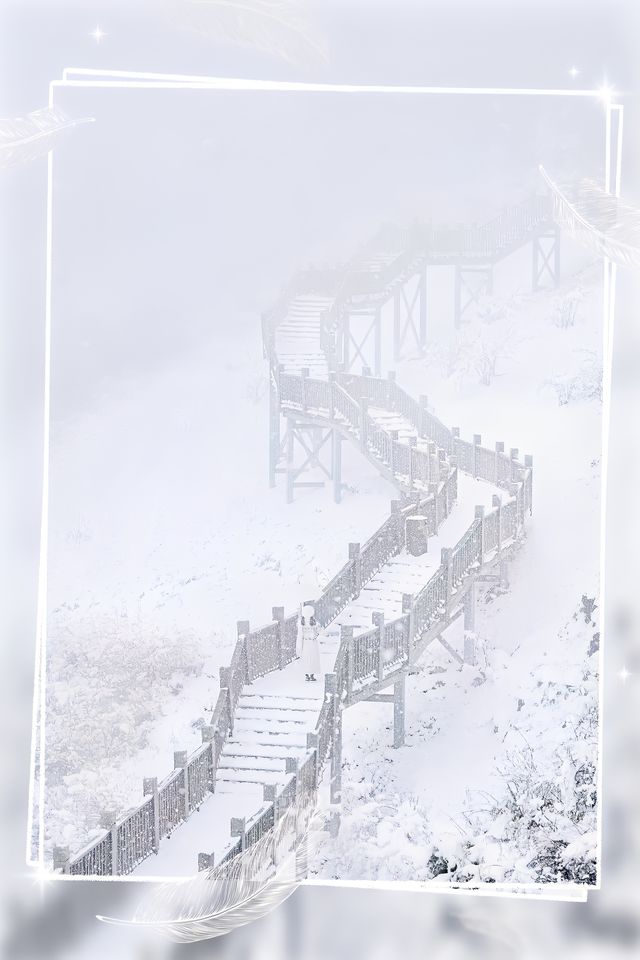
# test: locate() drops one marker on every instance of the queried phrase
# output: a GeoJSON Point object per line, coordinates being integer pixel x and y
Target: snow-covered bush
{"type": "Point", "coordinates": [585, 385]}
{"type": "Point", "coordinates": [566, 308]}
{"type": "Point", "coordinates": [107, 683]}
{"type": "Point", "coordinates": [542, 827]}
{"type": "Point", "coordinates": [480, 347]}
{"type": "Point", "coordinates": [383, 836]}
{"type": "Point", "coordinates": [256, 387]}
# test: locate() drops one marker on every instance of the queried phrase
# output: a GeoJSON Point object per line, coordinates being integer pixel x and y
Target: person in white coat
{"type": "Point", "coordinates": [309, 645]}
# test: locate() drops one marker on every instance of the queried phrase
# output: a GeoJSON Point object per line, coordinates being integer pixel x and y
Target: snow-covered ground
{"type": "Point", "coordinates": [164, 533]}
{"type": "Point", "coordinates": [522, 725]}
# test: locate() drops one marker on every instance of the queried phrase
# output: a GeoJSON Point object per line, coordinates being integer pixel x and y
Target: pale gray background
{"type": "Point", "coordinates": [514, 43]}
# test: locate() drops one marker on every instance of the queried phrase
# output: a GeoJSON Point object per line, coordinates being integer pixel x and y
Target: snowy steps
{"type": "Point", "coordinates": [250, 776]}
{"type": "Point", "coordinates": [274, 714]}
{"type": "Point", "coordinates": [267, 720]}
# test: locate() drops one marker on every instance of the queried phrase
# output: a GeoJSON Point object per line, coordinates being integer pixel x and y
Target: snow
{"type": "Point", "coordinates": [187, 539]}
{"type": "Point", "coordinates": [535, 684]}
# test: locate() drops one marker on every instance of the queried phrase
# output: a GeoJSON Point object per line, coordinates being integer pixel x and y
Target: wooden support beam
{"type": "Point", "coordinates": [331, 690]}
{"type": "Point", "coordinates": [423, 307]}
{"type": "Point", "coordinates": [450, 650]}
{"type": "Point", "coordinates": [150, 789]}
{"type": "Point", "coordinates": [336, 464]}
{"type": "Point", "coordinates": [379, 698]}
{"type": "Point", "coordinates": [399, 711]}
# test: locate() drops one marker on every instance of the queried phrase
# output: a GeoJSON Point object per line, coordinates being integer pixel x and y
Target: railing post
{"type": "Point", "coordinates": [434, 463]}
{"type": "Point", "coordinates": [413, 443]}
{"type": "Point", "coordinates": [346, 638]}
{"type": "Point", "coordinates": [513, 456]}
{"type": "Point", "coordinates": [180, 761]}
{"type": "Point", "coordinates": [238, 829]}
{"type": "Point", "coordinates": [446, 561]}
{"type": "Point", "coordinates": [331, 691]}
{"type": "Point", "coordinates": [477, 440]}
{"type": "Point", "coordinates": [277, 614]}
{"type": "Point", "coordinates": [496, 503]}
{"type": "Point", "coordinates": [479, 515]}
{"type": "Point", "coordinates": [455, 436]}
{"type": "Point", "coordinates": [499, 452]}
{"type": "Point", "coordinates": [442, 474]}
{"type": "Point", "coordinates": [377, 619]}
{"type": "Point", "coordinates": [114, 850]}
{"type": "Point", "coordinates": [394, 440]}
{"type": "Point", "coordinates": [61, 859]}
{"type": "Point", "coordinates": [208, 736]}
{"type": "Point", "coordinates": [528, 462]}
{"type": "Point", "coordinates": [304, 373]}
{"type": "Point", "coordinates": [225, 684]}
{"type": "Point", "coordinates": [355, 556]}
{"type": "Point", "coordinates": [150, 789]}
{"type": "Point", "coordinates": [243, 629]}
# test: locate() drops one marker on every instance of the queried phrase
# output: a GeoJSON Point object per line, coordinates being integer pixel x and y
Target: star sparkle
{"type": "Point", "coordinates": [98, 34]}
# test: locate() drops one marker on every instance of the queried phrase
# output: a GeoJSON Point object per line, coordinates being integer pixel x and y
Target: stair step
{"type": "Point", "coordinates": [259, 751]}
{"type": "Point", "coordinates": [258, 722]}
{"type": "Point", "coordinates": [263, 738]}
{"type": "Point", "coordinates": [265, 710]}
{"type": "Point", "coordinates": [250, 763]}
{"type": "Point", "coordinates": [252, 776]}
{"type": "Point", "coordinates": [296, 698]}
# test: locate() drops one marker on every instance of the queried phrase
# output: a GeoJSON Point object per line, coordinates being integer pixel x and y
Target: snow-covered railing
{"type": "Point", "coordinates": [298, 793]}
{"type": "Point", "coordinates": [413, 245]}
{"type": "Point", "coordinates": [137, 835]}
{"type": "Point", "coordinates": [331, 401]}
{"type": "Point", "coordinates": [371, 659]}
{"type": "Point", "coordinates": [364, 661]}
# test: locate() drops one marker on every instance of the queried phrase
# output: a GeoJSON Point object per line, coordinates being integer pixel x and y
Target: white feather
{"type": "Point", "coordinates": [25, 138]}
{"type": "Point", "coordinates": [244, 889]}
{"type": "Point", "coordinates": [277, 27]}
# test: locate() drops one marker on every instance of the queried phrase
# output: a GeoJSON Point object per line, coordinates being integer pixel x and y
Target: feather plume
{"type": "Point", "coordinates": [278, 27]}
{"type": "Point", "coordinates": [597, 219]}
{"type": "Point", "coordinates": [244, 888]}
{"type": "Point", "coordinates": [26, 138]}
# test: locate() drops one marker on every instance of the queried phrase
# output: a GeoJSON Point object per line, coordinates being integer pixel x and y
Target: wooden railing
{"type": "Point", "coordinates": [363, 661]}
{"type": "Point", "coordinates": [414, 245]}
{"type": "Point", "coordinates": [343, 402]}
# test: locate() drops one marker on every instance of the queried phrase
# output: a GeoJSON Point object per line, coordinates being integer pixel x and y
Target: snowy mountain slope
{"type": "Point", "coordinates": [443, 805]}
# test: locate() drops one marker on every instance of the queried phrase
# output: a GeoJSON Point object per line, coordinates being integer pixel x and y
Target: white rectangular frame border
{"type": "Point", "coordinates": [124, 79]}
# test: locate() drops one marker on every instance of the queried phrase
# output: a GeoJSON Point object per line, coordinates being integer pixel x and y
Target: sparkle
{"type": "Point", "coordinates": [624, 674]}
{"type": "Point", "coordinates": [98, 34]}
{"type": "Point", "coordinates": [574, 72]}
{"type": "Point", "coordinates": [605, 93]}
{"type": "Point", "coordinates": [42, 879]}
